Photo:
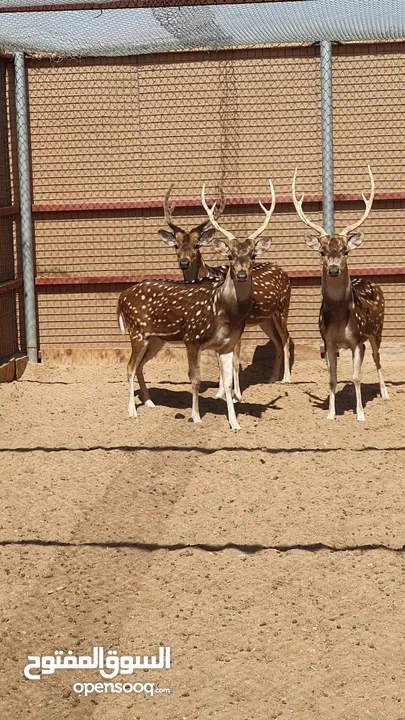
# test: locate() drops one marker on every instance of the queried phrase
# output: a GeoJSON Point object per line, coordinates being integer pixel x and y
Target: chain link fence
{"type": "Point", "coordinates": [108, 136]}
{"type": "Point", "coordinates": [121, 131]}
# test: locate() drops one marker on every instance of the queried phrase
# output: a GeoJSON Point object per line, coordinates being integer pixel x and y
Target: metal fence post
{"type": "Point", "coordinates": [24, 179]}
{"type": "Point", "coordinates": [327, 136]}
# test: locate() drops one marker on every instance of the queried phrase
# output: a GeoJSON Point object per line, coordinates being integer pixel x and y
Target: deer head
{"type": "Point", "coordinates": [187, 244]}
{"type": "Point", "coordinates": [241, 253]}
{"type": "Point", "coordinates": [334, 250]}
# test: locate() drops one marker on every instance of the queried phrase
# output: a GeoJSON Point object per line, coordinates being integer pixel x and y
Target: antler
{"type": "Point", "coordinates": [298, 206]}
{"type": "Point", "coordinates": [268, 214]}
{"type": "Point", "coordinates": [366, 213]}
{"type": "Point", "coordinates": [219, 209]}
{"type": "Point", "coordinates": [168, 210]}
{"type": "Point", "coordinates": [211, 214]}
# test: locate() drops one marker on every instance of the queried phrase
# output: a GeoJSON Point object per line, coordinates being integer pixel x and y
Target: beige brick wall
{"type": "Point", "coordinates": [123, 129]}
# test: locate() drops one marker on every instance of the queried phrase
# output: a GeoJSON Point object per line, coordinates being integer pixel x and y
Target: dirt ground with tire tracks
{"type": "Point", "coordinates": [269, 560]}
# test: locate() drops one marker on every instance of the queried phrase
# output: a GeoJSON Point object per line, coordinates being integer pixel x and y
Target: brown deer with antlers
{"type": "Point", "coordinates": [203, 314]}
{"type": "Point", "coordinates": [352, 311]}
{"type": "Point", "coordinates": [271, 289]}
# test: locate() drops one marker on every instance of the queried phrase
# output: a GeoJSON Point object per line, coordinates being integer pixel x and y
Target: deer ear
{"type": "Point", "coordinates": [313, 242]}
{"type": "Point", "coordinates": [262, 245]}
{"type": "Point", "coordinates": [355, 240]}
{"type": "Point", "coordinates": [220, 247]}
{"type": "Point", "coordinates": [167, 238]}
{"type": "Point", "coordinates": [206, 237]}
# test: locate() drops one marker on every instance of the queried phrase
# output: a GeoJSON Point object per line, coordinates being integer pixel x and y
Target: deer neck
{"type": "Point", "coordinates": [197, 270]}
{"type": "Point", "coordinates": [203, 270]}
{"type": "Point", "coordinates": [236, 297]}
{"type": "Point", "coordinates": [336, 292]}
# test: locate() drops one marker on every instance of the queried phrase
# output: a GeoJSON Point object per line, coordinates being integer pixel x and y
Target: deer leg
{"type": "Point", "coordinates": [220, 392]}
{"type": "Point", "coordinates": [375, 347]}
{"type": "Point", "coordinates": [193, 356]}
{"type": "Point", "coordinates": [226, 361]}
{"type": "Point", "coordinates": [271, 331]}
{"type": "Point", "coordinates": [154, 345]}
{"type": "Point", "coordinates": [332, 366]}
{"type": "Point", "coordinates": [281, 326]}
{"type": "Point", "coordinates": [138, 351]}
{"type": "Point", "coordinates": [237, 395]}
{"type": "Point", "coordinates": [358, 355]}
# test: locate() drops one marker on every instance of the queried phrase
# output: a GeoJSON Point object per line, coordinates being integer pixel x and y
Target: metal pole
{"type": "Point", "coordinates": [24, 179]}
{"type": "Point", "coordinates": [327, 136]}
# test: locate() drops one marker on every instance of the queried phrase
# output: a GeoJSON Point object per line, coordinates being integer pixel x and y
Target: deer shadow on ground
{"type": "Point", "coordinates": [260, 370]}
{"type": "Point", "coordinates": [346, 397]}
{"type": "Point", "coordinates": [181, 400]}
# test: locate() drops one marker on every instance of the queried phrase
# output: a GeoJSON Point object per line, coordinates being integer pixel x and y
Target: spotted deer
{"type": "Point", "coordinates": [352, 311]}
{"type": "Point", "coordinates": [271, 289]}
{"type": "Point", "coordinates": [187, 244]}
{"type": "Point", "coordinates": [203, 314]}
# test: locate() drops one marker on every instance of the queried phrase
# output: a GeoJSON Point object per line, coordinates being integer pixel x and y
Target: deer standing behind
{"type": "Point", "coordinates": [271, 289]}
{"type": "Point", "coordinates": [203, 314]}
{"type": "Point", "coordinates": [352, 311]}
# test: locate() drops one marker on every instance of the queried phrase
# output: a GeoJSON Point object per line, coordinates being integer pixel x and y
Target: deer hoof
{"type": "Point", "coordinates": [384, 395]}
{"type": "Point", "coordinates": [235, 427]}
{"type": "Point", "coordinates": [196, 420]}
{"type": "Point", "coordinates": [220, 395]}
{"type": "Point", "coordinates": [331, 416]}
{"type": "Point", "coordinates": [361, 418]}
{"type": "Point", "coordinates": [149, 404]}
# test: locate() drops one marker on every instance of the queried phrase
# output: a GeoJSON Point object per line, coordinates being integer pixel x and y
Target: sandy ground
{"type": "Point", "coordinates": [269, 560]}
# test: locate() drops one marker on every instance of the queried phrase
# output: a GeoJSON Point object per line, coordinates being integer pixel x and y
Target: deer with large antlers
{"type": "Point", "coordinates": [271, 289]}
{"type": "Point", "coordinates": [203, 314]}
{"type": "Point", "coordinates": [352, 311]}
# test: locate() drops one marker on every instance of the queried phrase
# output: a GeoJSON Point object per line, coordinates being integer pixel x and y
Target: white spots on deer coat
{"type": "Point", "coordinates": [168, 309]}
{"type": "Point", "coordinates": [271, 292]}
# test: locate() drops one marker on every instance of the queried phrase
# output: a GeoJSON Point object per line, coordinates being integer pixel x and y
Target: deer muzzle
{"type": "Point", "coordinates": [333, 271]}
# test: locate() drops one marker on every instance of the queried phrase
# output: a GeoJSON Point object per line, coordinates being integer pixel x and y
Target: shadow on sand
{"type": "Point", "coordinates": [346, 397]}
